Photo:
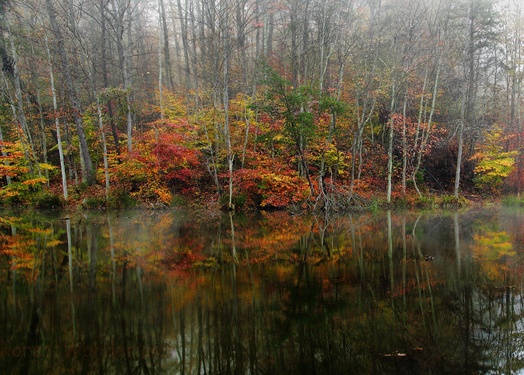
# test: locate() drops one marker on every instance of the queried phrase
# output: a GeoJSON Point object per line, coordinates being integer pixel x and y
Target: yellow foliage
{"type": "Point", "coordinates": [35, 181]}
{"type": "Point", "coordinates": [47, 166]}
{"type": "Point", "coordinates": [494, 165]}
{"type": "Point", "coordinates": [164, 195]}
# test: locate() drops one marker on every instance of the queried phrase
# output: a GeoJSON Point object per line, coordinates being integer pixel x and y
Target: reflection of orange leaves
{"type": "Point", "coordinates": [282, 271]}
{"type": "Point", "coordinates": [185, 286]}
{"type": "Point", "coordinates": [182, 259]}
{"type": "Point", "coordinates": [20, 243]}
{"type": "Point", "coordinates": [18, 248]}
{"type": "Point", "coordinates": [413, 286]}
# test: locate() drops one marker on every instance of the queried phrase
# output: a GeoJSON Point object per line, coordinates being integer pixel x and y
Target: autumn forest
{"type": "Point", "coordinates": [316, 104]}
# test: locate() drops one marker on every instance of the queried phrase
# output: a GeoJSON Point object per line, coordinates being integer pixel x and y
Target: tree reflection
{"type": "Point", "coordinates": [155, 293]}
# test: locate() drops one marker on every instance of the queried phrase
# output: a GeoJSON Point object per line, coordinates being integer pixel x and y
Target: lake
{"type": "Point", "coordinates": [172, 292]}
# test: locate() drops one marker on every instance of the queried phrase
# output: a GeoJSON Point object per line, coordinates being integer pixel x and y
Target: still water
{"type": "Point", "coordinates": [171, 292]}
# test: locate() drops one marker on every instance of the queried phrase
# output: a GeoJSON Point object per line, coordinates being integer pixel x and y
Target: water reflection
{"type": "Point", "coordinates": [168, 292]}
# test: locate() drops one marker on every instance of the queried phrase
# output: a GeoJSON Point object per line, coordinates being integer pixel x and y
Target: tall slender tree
{"type": "Point", "coordinates": [88, 173]}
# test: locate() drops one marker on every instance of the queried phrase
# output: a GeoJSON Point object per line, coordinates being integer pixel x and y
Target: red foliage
{"type": "Point", "coordinates": [162, 160]}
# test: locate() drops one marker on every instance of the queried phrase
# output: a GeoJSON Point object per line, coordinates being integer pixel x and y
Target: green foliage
{"type": "Point", "coordinates": [292, 104]}
{"type": "Point", "coordinates": [375, 205]}
{"type": "Point", "coordinates": [178, 201]}
{"type": "Point", "coordinates": [512, 201]}
{"type": "Point", "coordinates": [121, 199]}
{"type": "Point", "coordinates": [401, 201]}
{"type": "Point", "coordinates": [46, 199]}
{"type": "Point", "coordinates": [450, 201]}
{"type": "Point", "coordinates": [94, 203]}
{"type": "Point", "coordinates": [238, 199]}
{"type": "Point", "coordinates": [426, 201]}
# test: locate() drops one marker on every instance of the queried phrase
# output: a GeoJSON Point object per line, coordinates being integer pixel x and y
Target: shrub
{"type": "Point", "coordinates": [45, 199]}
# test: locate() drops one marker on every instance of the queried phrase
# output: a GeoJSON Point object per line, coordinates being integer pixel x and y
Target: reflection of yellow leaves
{"type": "Point", "coordinates": [54, 243]}
{"type": "Point", "coordinates": [8, 220]}
{"type": "Point", "coordinates": [44, 231]}
{"type": "Point", "coordinates": [493, 246]}
{"type": "Point", "coordinates": [492, 250]}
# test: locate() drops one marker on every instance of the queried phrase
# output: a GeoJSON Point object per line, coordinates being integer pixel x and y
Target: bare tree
{"type": "Point", "coordinates": [479, 33]}
{"type": "Point", "coordinates": [88, 172]}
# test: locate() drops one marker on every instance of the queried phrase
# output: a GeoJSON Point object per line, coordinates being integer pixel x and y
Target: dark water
{"type": "Point", "coordinates": [174, 293]}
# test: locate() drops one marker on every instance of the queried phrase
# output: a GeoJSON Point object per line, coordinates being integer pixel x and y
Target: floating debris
{"type": "Point", "coordinates": [396, 354]}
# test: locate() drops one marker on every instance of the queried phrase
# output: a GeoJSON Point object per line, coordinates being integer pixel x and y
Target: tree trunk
{"type": "Point", "coordinates": [105, 74]}
{"type": "Point", "coordinates": [20, 113]}
{"type": "Point", "coordinates": [89, 174]}
{"type": "Point", "coordinates": [19, 126]}
{"type": "Point", "coordinates": [4, 155]}
{"type": "Point", "coordinates": [404, 145]}
{"type": "Point", "coordinates": [185, 44]}
{"type": "Point", "coordinates": [160, 70]}
{"type": "Point", "coordinates": [119, 18]}
{"type": "Point", "coordinates": [57, 123]}
{"type": "Point", "coordinates": [390, 142]}
{"type": "Point", "coordinates": [425, 138]}
{"type": "Point", "coordinates": [167, 53]}
{"type": "Point", "coordinates": [41, 117]}
{"type": "Point", "coordinates": [225, 97]}
{"type": "Point", "coordinates": [104, 146]}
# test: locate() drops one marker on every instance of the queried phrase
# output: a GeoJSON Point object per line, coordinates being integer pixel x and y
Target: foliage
{"type": "Point", "coordinates": [25, 185]}
{"type": "Point", "coordinates": [161, 162]}
{"type": "Point", "coordinates": [318, 101]}
{"type": "Point", "coordinates": [512, 200]}
{"type": "Point", "coordinates": [121, 199]}
{"type": "Point", "coordinates": [494, 165]}
{"type": "Point", "coordinates": [13, 162]}
{"type": "Point", "coordinates": [426, 201]}
{"type": "Point", "coordinates": [450, 201]}
{"type": "Point", "coordinates": [412, 132]}
{"type": "Point", "coordinates": [267, 188]}
{"type": "Point", "coordinates": [45, 200]}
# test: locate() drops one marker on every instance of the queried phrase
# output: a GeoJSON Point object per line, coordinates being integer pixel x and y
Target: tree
{"type": "Point", "coordinates": [494, 165]}
{"type": "Point", "coordinates": [121, 17]}
{"type": "Point", "coordinates": [479, 34]}
{"type": "Point", "coordinates": [88, 170]}
{"type": "Point", "coordinates": [57, 122]}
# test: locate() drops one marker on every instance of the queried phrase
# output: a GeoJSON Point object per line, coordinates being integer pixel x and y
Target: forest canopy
{"type": "Point", "coordinates": [259, 103]}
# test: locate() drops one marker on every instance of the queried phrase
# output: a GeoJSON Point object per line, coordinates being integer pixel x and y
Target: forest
{"type": "Point", "coordinates": [316, 104]}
